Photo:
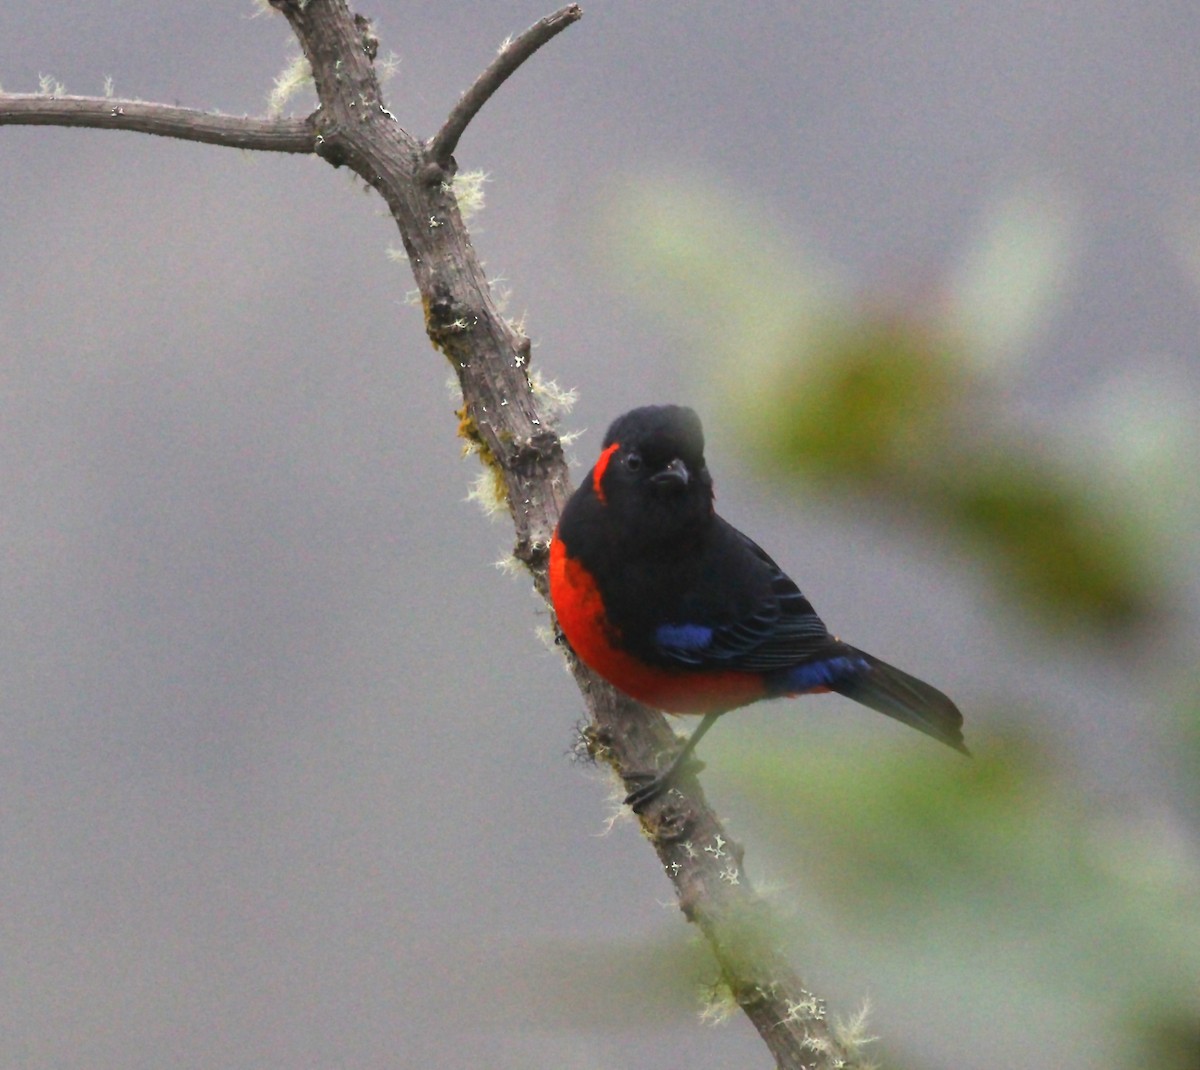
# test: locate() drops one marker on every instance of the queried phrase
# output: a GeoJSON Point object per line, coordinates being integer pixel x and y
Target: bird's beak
{"type": "Point", "coordinates": [675, 472]}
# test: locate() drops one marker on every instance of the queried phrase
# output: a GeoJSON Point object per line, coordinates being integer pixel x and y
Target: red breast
{"type": "Point", "coordinates": [579, 606]}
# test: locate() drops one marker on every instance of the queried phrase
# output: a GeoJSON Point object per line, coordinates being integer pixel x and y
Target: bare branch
{"type": "Point", "coordinates": [512, 55]}
{"type": "Point", "coordinates": [164, 120]}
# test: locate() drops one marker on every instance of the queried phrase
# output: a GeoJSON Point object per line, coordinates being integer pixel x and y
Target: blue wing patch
{"type": "Point", "coordinates": [683, 637]}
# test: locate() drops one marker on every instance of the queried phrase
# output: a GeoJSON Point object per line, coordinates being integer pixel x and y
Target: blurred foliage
{"type": "Point", "coordinates": [891, 408]}
{"type": "Point", "coordinates": [1012, 888]}
{"type": "Point", "coordinates": [912, 406]}
{"type": "Point", "coordinates": [1184, 746]}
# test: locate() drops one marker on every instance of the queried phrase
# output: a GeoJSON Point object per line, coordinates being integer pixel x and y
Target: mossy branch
{"type": "Point", "coordinates": [511, 429]}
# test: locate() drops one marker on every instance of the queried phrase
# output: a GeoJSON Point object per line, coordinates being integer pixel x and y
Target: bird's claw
{"type": "Point", "coordinates": [657, 784]}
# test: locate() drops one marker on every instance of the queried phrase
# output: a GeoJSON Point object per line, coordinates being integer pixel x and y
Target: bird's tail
{"type": "Point", "coordinates": [886, 689]}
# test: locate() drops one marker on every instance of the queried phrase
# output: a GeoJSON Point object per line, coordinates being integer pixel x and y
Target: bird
{"type": "Point", "coordinates": [670, 603]}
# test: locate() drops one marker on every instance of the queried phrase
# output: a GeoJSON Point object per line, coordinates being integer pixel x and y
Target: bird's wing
{"type": "Point", "coordinates": [780, 631]}
{"type": "Point", "coordinates": [783, 638]}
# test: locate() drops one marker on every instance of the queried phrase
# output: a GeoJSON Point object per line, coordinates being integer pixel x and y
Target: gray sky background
{"type": "Point", "coordinates": [253, 643]}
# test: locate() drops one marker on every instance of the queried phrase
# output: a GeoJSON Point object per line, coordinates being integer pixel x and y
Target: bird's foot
{"type": "Point", "coordinates": [657, 784]}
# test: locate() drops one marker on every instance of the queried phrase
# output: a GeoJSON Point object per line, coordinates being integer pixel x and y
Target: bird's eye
{"type": "Point", "coordinates": [633, 460]}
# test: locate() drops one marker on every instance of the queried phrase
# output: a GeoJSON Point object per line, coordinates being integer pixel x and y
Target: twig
{"type": "Point", "coordinates": [442, 145]}
{"type": "Point", "coordinates": [164, 120]}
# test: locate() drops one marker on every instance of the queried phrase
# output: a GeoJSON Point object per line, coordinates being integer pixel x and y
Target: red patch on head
{"type": "Point", "coordinates": [600, 469]}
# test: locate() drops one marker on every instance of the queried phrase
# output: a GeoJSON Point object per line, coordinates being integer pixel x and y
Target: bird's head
{"type": "Point", "coordinates": [651, 475]}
